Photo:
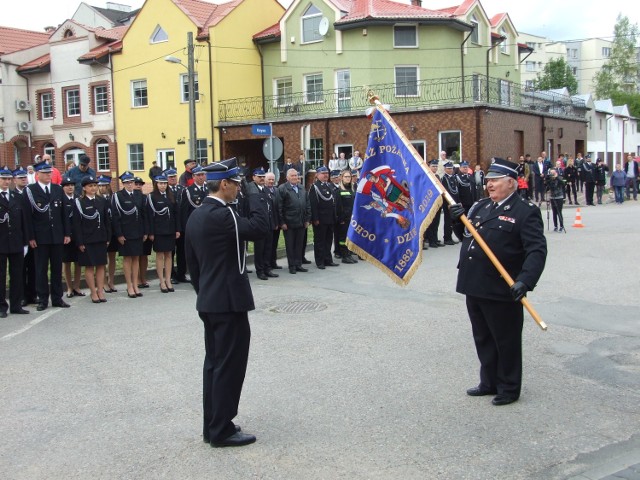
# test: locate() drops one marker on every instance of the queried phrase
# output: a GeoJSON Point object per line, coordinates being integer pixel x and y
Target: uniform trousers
{"type": "Point", "coordinates": [29, 277]}
{"type": "Point", "coordinates": [262, 254]}
{"type": "Point", "coordinates": [497, 333]}
{"type": "Point", "coordinates": [293, 241]}
{"type": "Point", "coordinates": [49, 262]}
{"type": "Point", "coordinates": [273, 255]}
{"type": "Point", "coordinates": [448, 224]}
{"type": "Point", "coordinates": [589, 188]}
{"type": "Point", "coordinates": [431, 233]}
{"type": "Point", "coordinates": [180, 270]}
{"type": "Point", "coordinates": [226, 342]}
{"type": "Point", "coordinates": [322, 240]}
{"type": "Point", "coordinates": [15, 273]}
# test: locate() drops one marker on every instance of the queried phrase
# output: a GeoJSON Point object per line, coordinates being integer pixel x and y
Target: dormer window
{"type": "Point", "coordinates": [159, 35]}
{"type": "Point", "coordinates": [504, 46]}
{"type": "Point", "coordinates": [68, 33]}
{"type": "Point", "coordinates": [475, 35]}
{"type": "Point", "coordinates": [311, 24]}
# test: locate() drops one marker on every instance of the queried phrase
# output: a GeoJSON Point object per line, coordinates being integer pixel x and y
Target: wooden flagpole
{"type": "Point", "coordinates": [470, 228]}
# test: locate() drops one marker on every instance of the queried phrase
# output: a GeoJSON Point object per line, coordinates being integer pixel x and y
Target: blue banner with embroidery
{"type": "Point", "coordinates": [396, 200]}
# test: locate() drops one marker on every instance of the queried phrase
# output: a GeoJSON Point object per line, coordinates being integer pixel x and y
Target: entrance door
{"type": "Point", "coordinates": [166, 159]}
{"type": "Point", "coordinates": [73, 155]}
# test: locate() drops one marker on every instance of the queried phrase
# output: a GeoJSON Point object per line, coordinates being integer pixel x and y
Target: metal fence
{"type": "Point", "coordinates": [412, 96]}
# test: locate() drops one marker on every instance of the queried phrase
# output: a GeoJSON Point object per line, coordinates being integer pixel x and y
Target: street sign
{"type": "Point", "coordinates": [261, 130]}
{"type": "Point", "coordinates": [272, 148]}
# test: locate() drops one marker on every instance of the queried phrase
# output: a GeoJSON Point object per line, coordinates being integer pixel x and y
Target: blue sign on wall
{"type": "Point", "coordinates": [261, 130]}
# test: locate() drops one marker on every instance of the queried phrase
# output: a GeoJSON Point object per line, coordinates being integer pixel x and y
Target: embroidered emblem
{"type": "Point", "coordinates": [507, 219]}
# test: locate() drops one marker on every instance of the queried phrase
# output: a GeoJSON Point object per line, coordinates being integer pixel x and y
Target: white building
{"type": "Point", "coordinates": [544, 50]}
{"type": "Point", "coordinates": [613, 132]}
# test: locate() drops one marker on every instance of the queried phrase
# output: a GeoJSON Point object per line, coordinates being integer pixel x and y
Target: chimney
{"type": "Point", "coordinates": [416, 3]}
{"type": "Point", "coordinates": [49, 29]}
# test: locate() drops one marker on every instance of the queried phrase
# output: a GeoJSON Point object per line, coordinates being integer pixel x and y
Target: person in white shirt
{"type": "Point", "coordinates": [355, 162]}
{"type": "Point", "coordinates": [31, 175]}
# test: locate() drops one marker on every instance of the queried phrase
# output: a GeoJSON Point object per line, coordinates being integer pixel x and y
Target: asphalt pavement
{"type": "Point", "coordinates": [350, 376]}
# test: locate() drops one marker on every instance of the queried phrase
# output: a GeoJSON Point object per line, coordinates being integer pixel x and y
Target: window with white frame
{"type": "Point", "coordinates": [139, 93]}
{"type": "Point", "coordinates": [505, 92]}
{"type": "Point", "coordinates": [531, 66]}
{"type": "Point", "coordinates": [475, 35]}
{"type": "Point", "coordinates": [310, 24]}
{"type": "Point", "coordinates": [50, 150]}
{"type": "Point", "coordinates": [478, 87]}
{"type": "Point", "coordinates": [159, 35]}
{"type": "Point", "coordinates": [184, 91]}
{"type": "Point", "coordinates": [102, 155]}
{"type": "Point", "coordinates": [46, 105]}
{"type": "Point", "coordinates": [201, 151]}
{"type": "Point", "coordinates": [283, 91]}
{"type": "Point", "coordinates": [504, 46]}
{"type": "Point", "coordinates": [316, 152]}
{"type": "Point", "coordinates": [343, 82]}
{"type": "Point", "coordinates": [73, 102]}
{"type": "Point", "coordinates": [451, 142]}
{"type": "Point", "coordinates": [606, 52]}
{"type": "Point", "coordinates": [406, 81]}
{"type": "Point", "coordinates": [313, 88]}
{"type": "Point", "coordinates": [405, 36]}
{"type": "Point", "coordinates": [101, 99]}
{"type": "Point", "coordinates": [136, 156]}
{"type": "Point", "coordinates": [529, 85]}
{"type": "Point", "coordinates": [531, 45]}
{"type": "Point", "coordinates": [420, 146]}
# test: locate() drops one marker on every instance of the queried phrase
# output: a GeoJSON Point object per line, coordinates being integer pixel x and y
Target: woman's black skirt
{"type": "Point", "coordinates": [95, 254]}
{"type": "Point", "coordinates": [164, 243]}
{"type": "Point", "coordinates": [70, 252]}
{"type": "Point", "coordinates": [131, 248]}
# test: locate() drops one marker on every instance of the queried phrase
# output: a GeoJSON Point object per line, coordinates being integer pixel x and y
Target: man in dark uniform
{"type": "Point", "coordinates": [323, 218]}
{"type": "Point", "coordinates": [262, 247]}
{"type": "Point", "coordinates": [431, 234]}
{"type": "Point", "coordinates": [589, 177]}
{"type": "Point", "coordinates": [51, 230]}
{"type": "Point", "coordinates": [14, 235]}
{"type": "Point", "coordinates": [20, 182]}
{"type": "Point", "coordinates": [179, 272]}
{"type": "Point", "coordinates": [466, 193]}
{"type": "Point", "coordinates": [450, 183]}
{"type": "Point", "coordinates": [193, 195]}
{"type": "Point", "coordinates": [334, 183]}
{"type": "Point", "coordinates": [214, 245]}
{"type": "Point", "coordinates": [294, 212]}
{"type": "Point", "coordinates": [512, 228]}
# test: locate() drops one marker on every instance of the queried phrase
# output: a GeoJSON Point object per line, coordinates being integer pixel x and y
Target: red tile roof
{"type": "Point", "coordinates": [497, 18]}
{"type": "Point", "coordinates": [270, 32]}
{"type": "Point", "coordinates": [380, 9]}
{"type": "Point", "coordinates": [205, 14]}
{"type": "Point", "coordinates": [14, 39]}
{"type": "Point", "coordinates": [113, 33]}
{"type": "Point", "coordinates": [99, 52]}
{"type": "Point", "coordinates": [459, 9]}
{"type": "Point", "coordinates": [35, 64]}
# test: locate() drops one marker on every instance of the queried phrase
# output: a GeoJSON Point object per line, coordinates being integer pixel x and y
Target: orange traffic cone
{"type": "Point", "coordinates": [578, 222]}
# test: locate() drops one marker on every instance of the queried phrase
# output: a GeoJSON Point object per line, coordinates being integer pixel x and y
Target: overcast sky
{"type": "Point", "coordinates": [559, 20]}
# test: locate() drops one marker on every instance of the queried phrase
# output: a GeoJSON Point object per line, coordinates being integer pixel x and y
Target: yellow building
{"type": "Point", "coordinates": [151, 94]}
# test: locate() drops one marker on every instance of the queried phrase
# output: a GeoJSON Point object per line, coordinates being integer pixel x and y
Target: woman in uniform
{"type": "Point", "coordinates": [345, 196]}
{"type": "Point", "coordinates": [70, 250]}
{"type": "Point", "coordinates": [163, 225]}
{"type": "Point", "coordinates": [128, 216]}
{"type": "Point", "coordinates": [92, 232]}
{"type": "Point", "coordinates": [104, 191]}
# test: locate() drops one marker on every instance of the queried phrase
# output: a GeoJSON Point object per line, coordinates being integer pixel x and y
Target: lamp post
{"type": "Point", "coordinates": [192, 97]}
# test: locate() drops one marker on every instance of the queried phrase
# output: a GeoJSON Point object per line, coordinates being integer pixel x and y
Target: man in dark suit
{"type": "Point", "coordinates": [513, 229]}
{"type": "Point", "coordinates": [272, 191]}
{"type": "Point", "coordinates": [14, 235]}
{"type": "Point", "coordinates": [262, 247]}
{"type": "Point", "coordinates": [20, 181]}
{"type": "Point", "coordinates": [323, 218]}
{"type": "Point", "coordinates": [51, 230]}
{"type": "Point", "coordinates": [214, 246]}
{"type": "Point", "coordinates": [294, 212]}
{"type": "Point", "coordinates": [539, 171]}
{"type": "Point", "coordinates": [589, 177]}
{"type": "Point", "coordinates": [450, 183]}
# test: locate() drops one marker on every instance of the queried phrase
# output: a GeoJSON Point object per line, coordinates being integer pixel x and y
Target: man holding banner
{"type": "Point", "coordinates": [513, 229]}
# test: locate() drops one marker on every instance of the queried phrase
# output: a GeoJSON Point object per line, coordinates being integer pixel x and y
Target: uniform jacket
{"type": "Point", "coordinates": [254, 189]}
{"type": "Point", "coordinates": [213, 252]}
{"type": "Point", "coordinates": [192, 198]}
{"type": "Point", "coordinates": [588, 172]}
{"type": "Point", "coordinates": [344, 204]}
{"type": "Point", "coordinates": [50, 224]}
{"type": "Point", "coordinates": [466, 189]}
{"type": "Point", "coordinates": [163, 215]}
{"type": "Point", "coordinates": [323, 203]}
{"type": "Point", "coordinates": [515, 233]}
{"type": "Point", "coordinates": [177, 190]}
{"type": "Point", "coordinates": [450, 183]}
{"type": "Point", "coordinates": [294, 208]}
{"type": "Point", "coordinates": [272, 192]}
{"type": "Point", "coordinates": [88, 230]}
{"type": "Point", "coordinates": [128, 215]}
{"type": "Point", "coordinates": [15, 224]}
{"type": "Point", "coordinates": [600, 174]}
{"type": "Point", "coordinates": [69, 207]}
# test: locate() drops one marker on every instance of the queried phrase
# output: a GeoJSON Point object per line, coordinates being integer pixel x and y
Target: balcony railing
{"type": "Point", "coordinates": [413, 96]}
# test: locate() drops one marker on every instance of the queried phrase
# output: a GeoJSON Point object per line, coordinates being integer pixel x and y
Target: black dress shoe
{"type": "Point", "coordinates": [272, 275]}
{"type": "Point", "coordinates": [3, 314]}
{"type": "Point", "coordinates": [20, 311]}
{"type": "Point", "coordinates": [262, 276]}
{"type": "Point", "coordinates": [433, 245]}
{"type": "Point", "coordinates": [321, 267]}
{"type": "Point", "coordinates": [503, 400]}
{"type": "Point", "coordinates": [41, 307]}
{"type": "Point", "coordinates": [306, 262]}
{"type": "Point", "coordinates": [175, 281]}
{"type": "Point", "coordinates": [479, 392]}
{"type": "Point", "coordinates": [60, 304]}
{"type": "Point", "coordinates": [248, 271]}
{"type": "Point", "coordinates": [205, 439]}
{"type": "Point", "coordinates": [332, 264]}
{"type": "Point", "coordinates": [301, 269]}
{"type": "Point", "coordinates": [276, 267]}
{"type": "Point", "coordinates": [238, 439]}
{"type": "Point", "coordinates": [292, 270]}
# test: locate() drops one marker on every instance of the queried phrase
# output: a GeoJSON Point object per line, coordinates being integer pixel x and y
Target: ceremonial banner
{"type": "Point", "coordinates": [396, 200]}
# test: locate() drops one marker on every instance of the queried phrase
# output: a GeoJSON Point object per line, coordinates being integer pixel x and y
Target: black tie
{"type": "Point", "coordinates": [4, 196]}
{"type": "Point", "coordinates": [494, 206]}
{"type": "Point", "coordinates": [46, 190]}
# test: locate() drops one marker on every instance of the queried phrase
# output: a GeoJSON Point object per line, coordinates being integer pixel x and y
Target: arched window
{"type": "Point", "coordinates": [68, 33]}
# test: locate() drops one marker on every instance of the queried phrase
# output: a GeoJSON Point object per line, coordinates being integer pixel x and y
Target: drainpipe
{"type": "Point", "coordinates": [606, 137]}
{"type": "Point", "coordinates": [478, 137]}
{"type": "Point", "coordinates": [264, 110]}
{"type": "Point", "coordinates": [462, 62]}
{"type": "Point", "coordinates": [213, 131]}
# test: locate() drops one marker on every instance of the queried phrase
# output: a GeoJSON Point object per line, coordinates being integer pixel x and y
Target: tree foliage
{"type": "Point", "coordinates": [631, 100]}
{"type": "Point", "coordinates": [620, 73]}
{"type": "Point", "coordinates": [557, 74]}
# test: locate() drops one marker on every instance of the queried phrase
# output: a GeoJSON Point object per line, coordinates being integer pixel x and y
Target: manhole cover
{"type": "Point", "coordinates": [299, 307]}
